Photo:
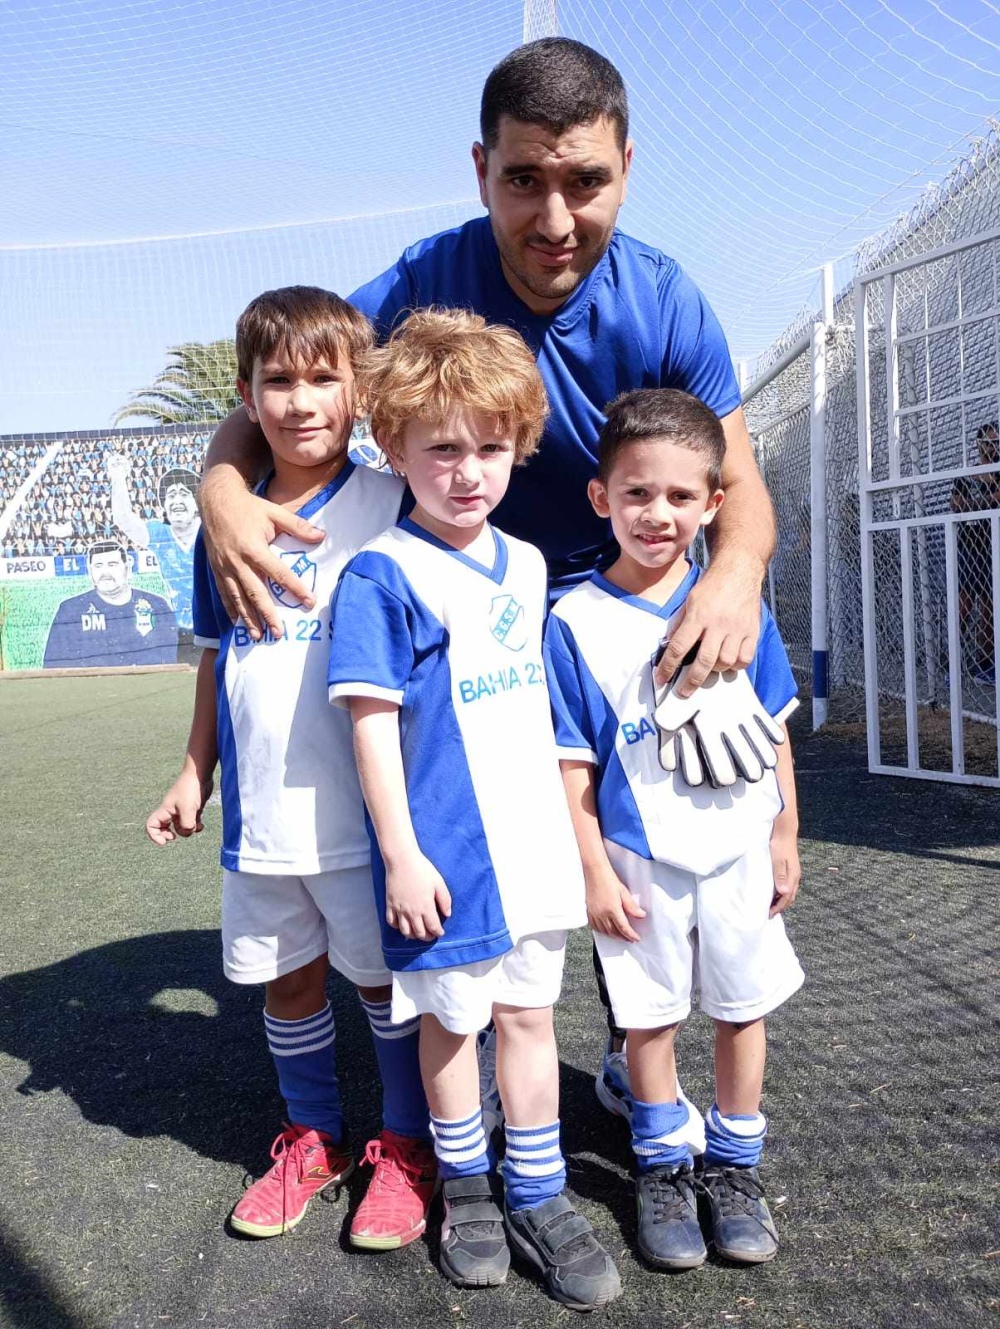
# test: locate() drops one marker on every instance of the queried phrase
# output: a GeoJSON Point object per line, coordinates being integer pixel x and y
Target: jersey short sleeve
{"type": "Point", "coordinates": [371, 647]}
{"type": "Point", "coordinates": [386, 297]}
{"type": "Point", "coordinates": [696, 356]}
{"type": "Point", "coordinates": [575, 739]}
{"type": "Point", "coordinates": [770, 672]}
{"type": "Point", "coordinates": [208, 629]}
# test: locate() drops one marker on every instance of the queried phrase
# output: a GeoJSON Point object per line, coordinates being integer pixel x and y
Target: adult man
{"type": "Point", "coordinates": [112, 623]}
{"type": "Point", "coordinates": [171, 540]}
{"type": "Point", "coordinates": [603, 313]}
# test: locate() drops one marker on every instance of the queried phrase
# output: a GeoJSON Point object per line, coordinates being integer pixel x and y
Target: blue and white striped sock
{"type": "Point", "coordinates": [659, 1135]}
{"type": "Point", "coordinates": [397, 1049]}
{"type": "Point", "coordinates": [534, 1169]}
{"type": "Point", "coordinates": [461, 1146]}
{"type": "Point", "coordinates": [736, 1140]}
{"type": "Point", "coordinates": [304, 1057]}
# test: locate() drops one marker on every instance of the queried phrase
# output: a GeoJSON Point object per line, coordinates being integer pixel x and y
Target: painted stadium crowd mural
{"type": "Point", "coordinates": [97, 534]}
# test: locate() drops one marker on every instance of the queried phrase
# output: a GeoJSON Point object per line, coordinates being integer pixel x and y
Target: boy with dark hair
{"type": "Point", "coordinates": [437, 649]}
{"type": "Point", "coordinates": [685, 884]}
{"type": "Point", "coordinates": [297, 889]}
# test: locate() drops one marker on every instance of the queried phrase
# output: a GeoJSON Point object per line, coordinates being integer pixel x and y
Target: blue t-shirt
{"type": "Point", "coordinates": [177, 566]}
{"type": "Point", "coordinates": [599, 646]}
{"type": "Point", "coordinates": [636, 321]}
{"type": "Point", "coordinates": [457, 646]}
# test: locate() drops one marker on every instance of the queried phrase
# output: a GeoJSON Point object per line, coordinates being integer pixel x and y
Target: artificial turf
{"type": "Point", "coordinates": [136, 1089]}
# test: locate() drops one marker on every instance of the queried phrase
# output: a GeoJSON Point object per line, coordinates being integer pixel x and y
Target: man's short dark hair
{"type": "Point", "coordinates": [107, 547]}
{"type": "Point", "coordinates": [180, 475]}
{"type": "Point", "coordinates": [557, 83]}
{"type": "Point", "coordinates": [665, 413]}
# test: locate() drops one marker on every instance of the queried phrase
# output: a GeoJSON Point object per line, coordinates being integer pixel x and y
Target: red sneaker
{"type": "Point", "coordinates": [394, 1211]}
{"type": "Point", "coordinates": [305, 1163]}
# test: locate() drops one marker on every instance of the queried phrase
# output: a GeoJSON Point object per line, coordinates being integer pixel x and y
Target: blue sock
{"type": "Point", "coordinates": [658, 1136]}
{"type": "Point", "coordinates": [534, 1169]}
{"type": "Point", "coordinates": [397, 1047]}
{"type": "Point", "coordinates": [734, 1141]}
{"type": "Point", "coordinates": [460, 1146]}
{"type": "Point", "coordinates": [304, 1057]}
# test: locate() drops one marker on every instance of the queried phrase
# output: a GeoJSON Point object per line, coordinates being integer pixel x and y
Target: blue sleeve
{"type": "Point", "coordinates": [205, 600]}
{"type": "Point", "coordinates": [570, 716]}
{"type": "Point", "coordinates": [386, 298]}
{"type": "Point", "coordinates": [769, 671]}
{"type": "Point", "coordinates": [695, 356]}
{"type": "Point", "coordinates": [371, 641]}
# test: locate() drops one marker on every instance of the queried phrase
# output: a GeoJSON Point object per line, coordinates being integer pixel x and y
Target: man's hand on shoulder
{"type": "Point", "coordinates": [239, 528]}
{"type": "Point", "coordinates": [721, 616]}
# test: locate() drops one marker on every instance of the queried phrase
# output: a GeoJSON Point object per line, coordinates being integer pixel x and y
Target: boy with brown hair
{"type": "Point", "coordinates": [685, 883]}
{"type": "Point", "coordinates": [297, 890]}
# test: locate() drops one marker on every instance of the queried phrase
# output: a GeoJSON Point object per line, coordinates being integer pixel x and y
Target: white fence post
{"type": "Point", "coordinates": [817, 506]}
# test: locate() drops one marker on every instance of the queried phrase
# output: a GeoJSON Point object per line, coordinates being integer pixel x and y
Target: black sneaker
{"type": "Point", "coordinates": [742, 1226]}
{"type": "Point", "coordinates": [669, 1235]}
{"type": "Point", "coordinates": [473, 1245]}
{"type": "Point", "coordinates": [561, 1245]}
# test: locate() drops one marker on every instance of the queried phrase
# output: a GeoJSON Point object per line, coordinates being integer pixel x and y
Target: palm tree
{"type": "Point", "coordinates": [197, 386]}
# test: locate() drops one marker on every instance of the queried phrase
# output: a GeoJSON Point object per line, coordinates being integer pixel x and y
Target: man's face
{"type": "Point", "coordinates": [179, 505]}
{"type": "Point", "coordinates": [553, 200]}
{"type": "Point", "coordinates": [109, 573]}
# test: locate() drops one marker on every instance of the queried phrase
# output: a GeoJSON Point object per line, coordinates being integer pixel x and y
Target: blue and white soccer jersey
{"type": "Point", "coordinates": [457, 646]}
{"type": "Point", "coordinates": [291, 802]}
{"type": "Point", "coordinates": [697, 858]}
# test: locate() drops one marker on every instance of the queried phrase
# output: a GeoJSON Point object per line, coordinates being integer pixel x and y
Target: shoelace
{"type": "Point", "coordinates": [667, 1196]}
{"type": "Point", "coordinates": [734, 1190]}
{"type": "Point", "coordinates": [376, 1152]}
{"type": "Point", "coordinates": [286, 1150]}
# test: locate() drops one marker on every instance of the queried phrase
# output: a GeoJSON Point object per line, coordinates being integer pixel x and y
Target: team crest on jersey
{"type": "Point", "coordinates": [143, 617]}
{"type": "Point", "coordinates": [507, 622]}
{"type": "Point", "coordinates": [303, 567]}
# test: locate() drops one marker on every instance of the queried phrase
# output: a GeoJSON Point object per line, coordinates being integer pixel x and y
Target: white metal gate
{"type": "Point", "coordinates": [927, 340]}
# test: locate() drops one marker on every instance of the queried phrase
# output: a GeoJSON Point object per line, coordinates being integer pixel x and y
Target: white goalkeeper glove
{"type": "Point", "coordinates": [720, 733]}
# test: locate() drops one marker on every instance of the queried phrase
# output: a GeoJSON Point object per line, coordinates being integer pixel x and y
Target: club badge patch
{"type": "Point", "coordinates": [507, 622]}
{"type": "Point", "coordinates": [143, 618]}
{"type": "Point", "coordinates": [303, 567]}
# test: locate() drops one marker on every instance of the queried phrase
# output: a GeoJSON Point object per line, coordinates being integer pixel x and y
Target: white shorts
{"type": "Point", "coordinates": [272, 925]}
{"type": "Point", "coordinates": [462, 996]}
{"type": "Point", "coordinates": [712, 930]}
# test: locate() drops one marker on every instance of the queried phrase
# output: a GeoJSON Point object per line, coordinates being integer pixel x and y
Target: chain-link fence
{"type": "Point", "coordinates": [930, 482]}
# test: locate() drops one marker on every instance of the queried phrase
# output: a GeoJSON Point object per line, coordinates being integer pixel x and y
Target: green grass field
{"type": "Point", "coordinates": [136, 1090]}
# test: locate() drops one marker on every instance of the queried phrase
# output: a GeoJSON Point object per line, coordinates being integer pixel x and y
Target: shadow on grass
{"type": "Point", "coordinates": [147, 1036]}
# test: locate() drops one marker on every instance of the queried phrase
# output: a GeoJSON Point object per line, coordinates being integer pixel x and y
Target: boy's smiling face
{"type": "Point", "coordinates": [658, 498]}
{"type": "Point", "coordinates": [458, 471]}
{"type": "Point", "coordinates": [306, 411]}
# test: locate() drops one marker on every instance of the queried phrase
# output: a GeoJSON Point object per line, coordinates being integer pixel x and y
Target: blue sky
{"type": "Point", "coordinates": [769, 137]}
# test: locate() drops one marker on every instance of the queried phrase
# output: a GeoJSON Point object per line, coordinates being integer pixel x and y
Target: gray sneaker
{"type": "Point", "coordinates": [473, 1245]}
{"type": "Point", "coordinates": [742, 1227]}
{"type": "Point", "coordinates": [669, 1235]}
{"type": "Point", "coordinates": [561, 1245]}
